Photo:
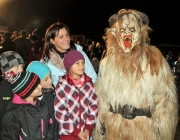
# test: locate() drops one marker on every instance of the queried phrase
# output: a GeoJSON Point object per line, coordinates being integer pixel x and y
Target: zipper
{"type": "Point", "coordinates": [42, 128]}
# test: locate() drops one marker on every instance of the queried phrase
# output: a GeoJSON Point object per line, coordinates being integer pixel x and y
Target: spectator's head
{"type": "Point", "coordinates": [72, 57]}
{"type": "Point", "coordinates": [72, 38]}
{"type": "Point", "coordinates": [11, 61]}
{"type": "Point", "coordinates": [170, 54]}
{"type": "Point", "coordinates": [78, 42]}
{"type": "Point", "coordinates": [93, 43]}
{"type": "Point", "coordinates": [15, 34]}
{"type": "Point", "coordinates": [57, 38]}
{"type": "Point", "coordinates": [7, 35]}
{"type": "Point", "coordinates": [35, 32]}
{"type": "Point", "coordinates": [33, 38]}
{"type": "Point", "coordinates": [24, 84]}
{"type": "Point", "coordinates": [23, 33]}
{"type": "Point", "coordinates": [2, 38]}
{"type": "Point", "coordinates": [98, 45]}
{"type": "Point", "coordinates": [42, 71]}
{"type": "Point", "coordinates": [179, 58]}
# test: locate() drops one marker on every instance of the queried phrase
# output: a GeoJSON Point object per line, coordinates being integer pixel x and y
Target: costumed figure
{"type": "Point", "coordinates": [135, 86]}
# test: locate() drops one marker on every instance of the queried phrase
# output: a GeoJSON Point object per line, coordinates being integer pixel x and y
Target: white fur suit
{"type": "Point", "coordinates": [135, 86]}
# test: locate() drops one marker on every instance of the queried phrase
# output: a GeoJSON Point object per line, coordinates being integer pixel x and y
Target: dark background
{"type": "Point", "coordinates": [90, 17]}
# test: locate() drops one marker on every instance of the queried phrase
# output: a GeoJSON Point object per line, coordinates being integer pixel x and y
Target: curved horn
{"type": "Point", "coordinates": [112, 20]}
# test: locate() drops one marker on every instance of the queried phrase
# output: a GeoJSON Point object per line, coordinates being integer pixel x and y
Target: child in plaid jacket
{"type": "Point", "coordinates": [75, 102]}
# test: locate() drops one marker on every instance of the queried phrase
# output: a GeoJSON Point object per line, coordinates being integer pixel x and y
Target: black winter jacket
{"type": "Point", "coordinates": [26, 121]}
{"type": "Point", "coordinates": [6, 96]}
{"type": "Point", "coordinates": [48, 98]}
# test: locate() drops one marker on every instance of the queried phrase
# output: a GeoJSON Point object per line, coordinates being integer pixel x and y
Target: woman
{"type": "Point", "coordinates": [57, 44]}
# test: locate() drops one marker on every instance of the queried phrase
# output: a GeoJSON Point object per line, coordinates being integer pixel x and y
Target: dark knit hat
{"type": "Point", "coordinates": [10, 59]}
{"type": "Point", "coordinates": [71, 57]}
{"type": "Point", "coordinates": [24, 83]}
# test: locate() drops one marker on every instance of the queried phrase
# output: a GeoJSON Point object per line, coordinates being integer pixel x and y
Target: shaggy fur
{"type": "Point", "coordinates": [141, 78]}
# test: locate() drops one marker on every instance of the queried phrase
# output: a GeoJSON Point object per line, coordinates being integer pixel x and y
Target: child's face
{"type": "Point", "coordinates": [77, 69]}
{"type": "Point", "coordinates": [47, 81]}
{"type": "Point", "coordinates": [37, 92]}
{"type": "Point", "coordinates": [16, 69]}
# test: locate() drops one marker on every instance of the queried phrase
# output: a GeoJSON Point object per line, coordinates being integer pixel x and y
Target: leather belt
{"type": "Point", "coordinates": [130, 112]}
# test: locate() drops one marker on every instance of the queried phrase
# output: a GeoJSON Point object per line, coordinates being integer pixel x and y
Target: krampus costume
{"type": "Point", "coordinates": [135, 87]}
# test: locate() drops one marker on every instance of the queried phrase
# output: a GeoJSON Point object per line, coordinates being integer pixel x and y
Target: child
{"type": "Point", "coordinates": [75, 102]}
{"type": "Point", "coordinates": [48, 92]}
{"type": "Point", "coordinates": [9, 61]}
{"type": "Point", "coordinates": [26, 118]}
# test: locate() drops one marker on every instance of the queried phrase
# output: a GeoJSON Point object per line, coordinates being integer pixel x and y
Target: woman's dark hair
{"type": "Point", "coordinates": [51, 33]}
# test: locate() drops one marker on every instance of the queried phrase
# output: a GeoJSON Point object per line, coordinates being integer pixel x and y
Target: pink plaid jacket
{"type": "Point", "coordinates": [75, 109]}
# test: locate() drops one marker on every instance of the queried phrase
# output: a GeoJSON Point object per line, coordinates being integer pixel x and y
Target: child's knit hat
{"type": "Point", "coordinates": [10, 59]}
{"type": "Point", "coordinates": [24, 83]}
{"type": "Point", "coordinates": [38, 68]}
{"type": "Point", "coordinates": [71, 57]}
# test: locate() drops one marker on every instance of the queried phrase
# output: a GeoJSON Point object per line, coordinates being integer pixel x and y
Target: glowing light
{"type": "Point", "coordinates": [3, 7]}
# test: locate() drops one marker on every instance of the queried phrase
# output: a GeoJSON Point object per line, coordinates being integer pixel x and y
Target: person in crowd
{"type": "Point", "coordinates": [169, 59]}
{"type": "Point", "coordinates": [2, 38]}
{"type": "Point", "coordinates": [177, 72]}
{"type": "Point", "coordinates": [79, 42]}
{"type": "Point", "coordinates": [22, 45]}
{"type": "Point", "coordinates": [35, 32]}
{"type": "Point", "coordinates": [90, 50]}
{"type": "Point", "coordinates": [48, 92]}
{"type": "Point", "coordinates": [14, 35]}
{"type": "Point", "coordinates": [10, 61]}
{"type": "Point", "coordinates": [98, 50]}
{"type": "Point", "coordinates": [7, 45]}
{"type": "Point", "coordinates": [27, 118]}
{"type": "Point", "coordinates": [75, 102]}
{"type": "Point", "coordinates": [57, 44]}
{"type": "Point", "coordinates": [95, 62]}
{"type": "Point", "coordinates": [72, 38]}
{"type": "Point", "coordinates": [34, 52]}
{"type": "Point", "coordinates": [177, 67]}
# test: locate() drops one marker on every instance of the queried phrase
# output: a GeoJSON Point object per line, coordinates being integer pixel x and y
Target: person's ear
{"type": "Point", "coordinates": [52, 41]}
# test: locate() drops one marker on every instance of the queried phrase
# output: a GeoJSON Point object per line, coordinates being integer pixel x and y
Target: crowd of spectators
{"type": "Point", "coordinates": [30, 46]}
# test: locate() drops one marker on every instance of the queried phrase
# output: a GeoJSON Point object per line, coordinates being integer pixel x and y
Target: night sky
{"type": "Point", "coordinates": [90, 17]}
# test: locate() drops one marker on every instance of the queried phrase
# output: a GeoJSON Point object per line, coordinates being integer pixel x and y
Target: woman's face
{"type": "Point", "coordinates": [62, 40]}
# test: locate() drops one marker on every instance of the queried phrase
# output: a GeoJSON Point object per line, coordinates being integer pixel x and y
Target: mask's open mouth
{"type": "Point", "coordinates": [127, 39]}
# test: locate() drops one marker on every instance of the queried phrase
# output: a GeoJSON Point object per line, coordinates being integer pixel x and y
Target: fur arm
{"type": "Point", "coordinates": [166, 106]}
{"type": "Point", "coordinates": [102, 100]}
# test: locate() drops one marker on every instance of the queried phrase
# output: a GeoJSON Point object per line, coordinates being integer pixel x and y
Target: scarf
{"type": "Point", "coordinates": [77, 83]}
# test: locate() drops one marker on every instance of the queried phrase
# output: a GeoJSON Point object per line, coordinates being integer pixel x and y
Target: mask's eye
{"type": "Point", "coordinates": [132, 30]}
{"type": "Point", "coordinates": [122, 30]}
